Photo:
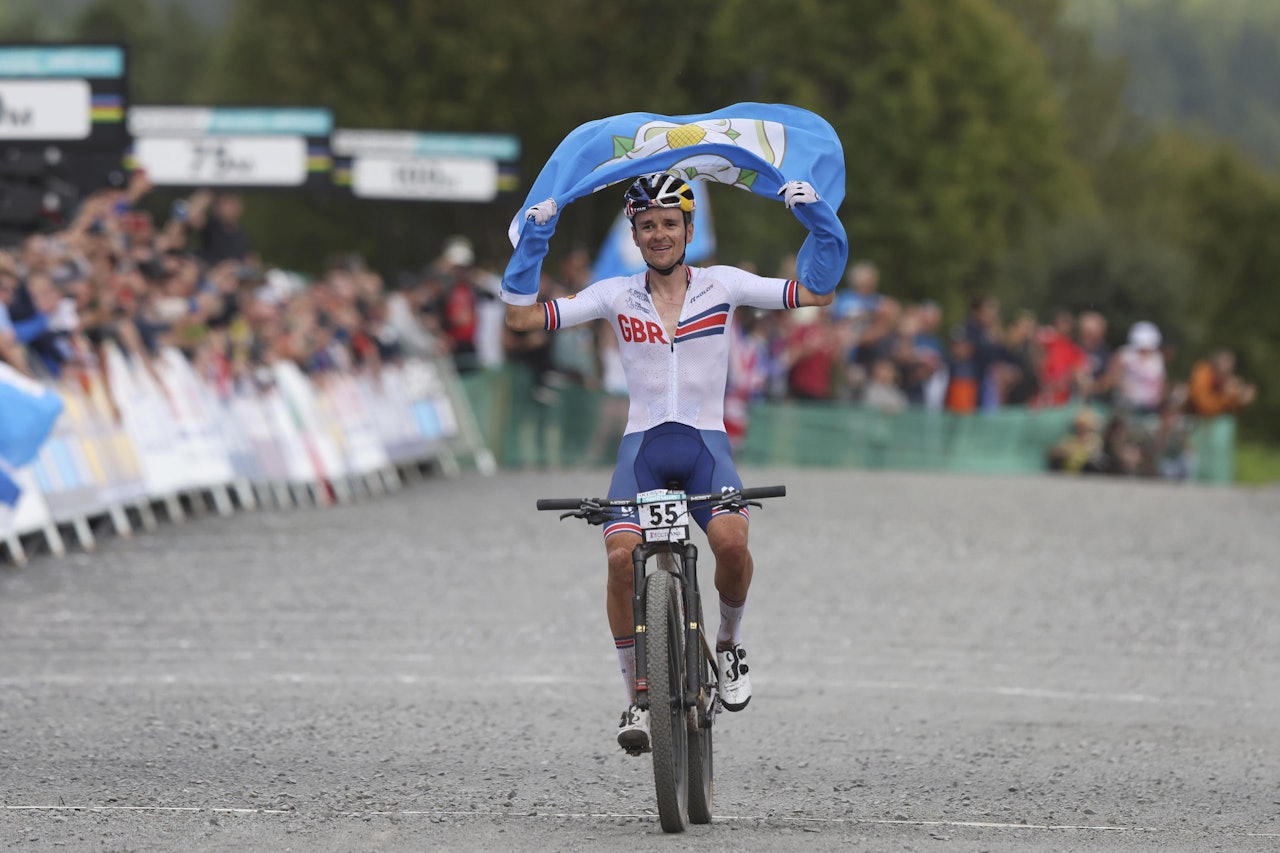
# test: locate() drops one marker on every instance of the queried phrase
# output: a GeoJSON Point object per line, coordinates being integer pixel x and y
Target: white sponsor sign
{"type": "Point", "coordinates": [223, 160]}
{"type": "Point", "coordinates": [433, 178]}
{"type": "Point", "coordinates": [45, 109]}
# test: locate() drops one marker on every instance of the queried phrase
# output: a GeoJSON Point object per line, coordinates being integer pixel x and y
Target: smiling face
{"type": "Point", "coordinates": [661, 235]}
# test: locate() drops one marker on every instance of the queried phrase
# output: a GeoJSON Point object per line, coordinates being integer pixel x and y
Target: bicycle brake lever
{"type": "Point", "coordinates": [591, 511]}
{"type": "Point", "coordinates": [730, 500]}
{"type": "Point", "coordinates": [733, 501]}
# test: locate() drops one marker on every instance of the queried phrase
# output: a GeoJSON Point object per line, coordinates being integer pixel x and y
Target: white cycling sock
{"type": "Point", "coordinates": [730, 633]}
{"type": "Point", "coordinates": [626, 647]}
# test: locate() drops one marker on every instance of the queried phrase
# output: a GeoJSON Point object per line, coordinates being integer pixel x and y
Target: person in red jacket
{"type": "Point", "coordinates": [1064, 369]}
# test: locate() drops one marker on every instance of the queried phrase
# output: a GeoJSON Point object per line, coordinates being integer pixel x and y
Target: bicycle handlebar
{"type": "Point", "coordinates": [559, 503]}
{"type": "Point", "coordinates": [743, 495]}
{"type": "Point", "coordinates": [765, 492]}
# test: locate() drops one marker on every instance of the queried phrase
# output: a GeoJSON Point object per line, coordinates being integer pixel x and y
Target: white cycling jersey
{"type": "Point", "coordinates": [681, 380]}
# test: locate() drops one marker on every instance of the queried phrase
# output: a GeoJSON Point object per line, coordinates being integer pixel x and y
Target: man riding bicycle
{"type": "Point", "coordinates": [672, 324]}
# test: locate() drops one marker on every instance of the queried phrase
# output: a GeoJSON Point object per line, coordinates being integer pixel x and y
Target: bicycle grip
{"type": "Point", "coordinates": [764, 492]}
{"type": "Point", "coordinates": [560, 503]}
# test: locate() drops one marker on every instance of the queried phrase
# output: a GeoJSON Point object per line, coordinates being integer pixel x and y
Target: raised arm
{"type": "Point", "coordinates": [821, 260]}
{"type": "Point", "coordinates": [526, 318]}
{"type": "Point", "coordinates": [808, 297]}
{"type": "Point", "coordinates": [522, 279]}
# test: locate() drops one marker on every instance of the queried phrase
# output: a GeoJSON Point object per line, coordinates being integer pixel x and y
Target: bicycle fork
{"type": "Point", "coordinates": [693, 642]}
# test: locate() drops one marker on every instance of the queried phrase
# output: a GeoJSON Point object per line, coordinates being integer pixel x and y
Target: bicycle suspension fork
{"type": "Point", "coordinates": [692, 627]}
{"type": "Point", "coordinates": [639, 557]}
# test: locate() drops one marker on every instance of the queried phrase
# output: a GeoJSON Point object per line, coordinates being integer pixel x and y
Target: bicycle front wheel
{"type": "Point", "coordinates": [669, 731]}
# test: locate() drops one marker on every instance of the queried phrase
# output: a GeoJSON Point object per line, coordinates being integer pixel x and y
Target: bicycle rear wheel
{"type": "Point", "coordinates": [699, 719]}
{"type": "Point", "coordinates": [669, 731]}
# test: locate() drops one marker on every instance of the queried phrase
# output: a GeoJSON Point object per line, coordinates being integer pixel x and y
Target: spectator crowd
{"type": "Point", "coordinates": [195, 282]}
{"type": "Point", "coordinates": [114, 276]}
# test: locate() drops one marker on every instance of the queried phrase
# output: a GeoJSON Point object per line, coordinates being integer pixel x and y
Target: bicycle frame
{"type": "Point", "coordinates": [596, 511]}
{"type": "Point", "coordinates": [682, 753]}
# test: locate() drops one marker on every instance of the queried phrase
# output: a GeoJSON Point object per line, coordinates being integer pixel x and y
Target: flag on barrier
{"type": "Point", "coordinates": [28, 411]}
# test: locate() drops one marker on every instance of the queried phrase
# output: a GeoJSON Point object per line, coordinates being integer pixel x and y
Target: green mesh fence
{"type": "Point", "coordinates": [571, 426]}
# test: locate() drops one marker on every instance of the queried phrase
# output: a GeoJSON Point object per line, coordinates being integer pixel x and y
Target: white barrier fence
{"type": "Point", "coordinates": [289, 441]}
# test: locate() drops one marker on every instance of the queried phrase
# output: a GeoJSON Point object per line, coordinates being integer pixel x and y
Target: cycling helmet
{"type": "Point", "coordinates": [661, 189]}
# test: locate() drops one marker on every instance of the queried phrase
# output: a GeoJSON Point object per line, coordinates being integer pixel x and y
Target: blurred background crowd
{"type": "Point", "coordinates": [193, 280]}
{"type": "Point", "coordinates": [1114, 160]}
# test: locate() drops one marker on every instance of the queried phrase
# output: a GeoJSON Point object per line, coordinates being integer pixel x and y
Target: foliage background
{"type": "Point", "coordinates": [1074, 153]}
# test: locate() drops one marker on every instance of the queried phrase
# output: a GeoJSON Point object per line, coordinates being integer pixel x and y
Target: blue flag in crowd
{"type": "Point", "coordinates": [27, 415]}
{"type": "Point", "coordinates": [621, 256]}
{"type": "Point", "coordinates": [756, 147]}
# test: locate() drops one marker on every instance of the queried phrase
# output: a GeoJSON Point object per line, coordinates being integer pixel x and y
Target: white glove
{"type": "Point", "coordinates": [542, 212]}
{"type": "Point", "coordinates": [797, 192]}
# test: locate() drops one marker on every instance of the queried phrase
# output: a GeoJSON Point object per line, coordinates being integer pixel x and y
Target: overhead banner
{"type": "Point", "coordinates": [62, 111]}
{"type": "Point", "coordinates": [63, 93]}
{"type": "Point", "coordinates": [410, 166]}
{"type": "Point", "coordinates": [241, 147]}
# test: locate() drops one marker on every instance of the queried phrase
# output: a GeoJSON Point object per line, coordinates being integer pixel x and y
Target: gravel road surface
{"type": "Point", "coordinates": [940, 663]}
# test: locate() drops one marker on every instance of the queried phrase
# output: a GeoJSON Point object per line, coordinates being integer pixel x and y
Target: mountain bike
{"type": "Point", "coordinates": [676, 674]}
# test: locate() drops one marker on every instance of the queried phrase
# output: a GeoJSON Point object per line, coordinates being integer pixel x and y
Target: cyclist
{"type": "Point", "coordinates": [672, 323]}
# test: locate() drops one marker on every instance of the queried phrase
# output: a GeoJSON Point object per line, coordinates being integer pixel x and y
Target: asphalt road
{"type": "Point", "coordinates": [940, 663]}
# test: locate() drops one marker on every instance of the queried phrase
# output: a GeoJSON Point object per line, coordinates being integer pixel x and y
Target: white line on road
{"type": "Point", "coordinates": [191, 809]}
{"type": "Point", "coordinates": [955, 824]}
{"type": "Point", "coordinates": [406, 678]}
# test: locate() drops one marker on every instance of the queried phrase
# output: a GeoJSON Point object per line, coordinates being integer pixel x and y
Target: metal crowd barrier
{"type": "Point", "coordinates": [162, 438]}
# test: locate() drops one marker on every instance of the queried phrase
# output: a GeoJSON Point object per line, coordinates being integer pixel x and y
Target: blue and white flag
{"type": "Point", "coordinates": [756, 147]}
{"type": "Point", "coordinates": [28, 412]}
{"type": "Point", "coordinates": [621, 256]}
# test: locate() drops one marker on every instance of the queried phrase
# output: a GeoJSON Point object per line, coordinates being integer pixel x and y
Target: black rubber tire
{"type": "Point", "coordinates": [668, 728]}
{"type": "Point", "coordinates": [701, 767]}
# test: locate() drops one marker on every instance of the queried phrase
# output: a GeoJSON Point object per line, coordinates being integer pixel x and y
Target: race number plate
{"type": "Point", "coordinates": [664, 515]}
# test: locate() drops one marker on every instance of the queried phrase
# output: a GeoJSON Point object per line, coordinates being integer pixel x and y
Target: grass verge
{"type": "Point", "coordinates": [1257, 463]}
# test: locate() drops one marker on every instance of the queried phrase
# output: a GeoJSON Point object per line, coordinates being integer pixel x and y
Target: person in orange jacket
{"type": "Point", "coordinates": [1215, 389]}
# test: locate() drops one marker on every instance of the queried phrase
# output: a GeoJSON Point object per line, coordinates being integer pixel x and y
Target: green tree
{"type": "Point", "coordinates": [1236, 216]}
{"type": "Point", "coordinates": [168, 48]}
{"type": "Point", "coordinates": [34, 20]}
{"type": "Point", "coordinates": [1214, 66]}
{"type": "Point", "coordinates": [1099, 124]}
{"type": "Point", "coordinates": [20, 23]}
{"type": "Point", "coordinates": [953, 140]}
{"type": "Point", "coordinates": [1129, 259]}
{"type": "Point", "coordinates": [428, 65]}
